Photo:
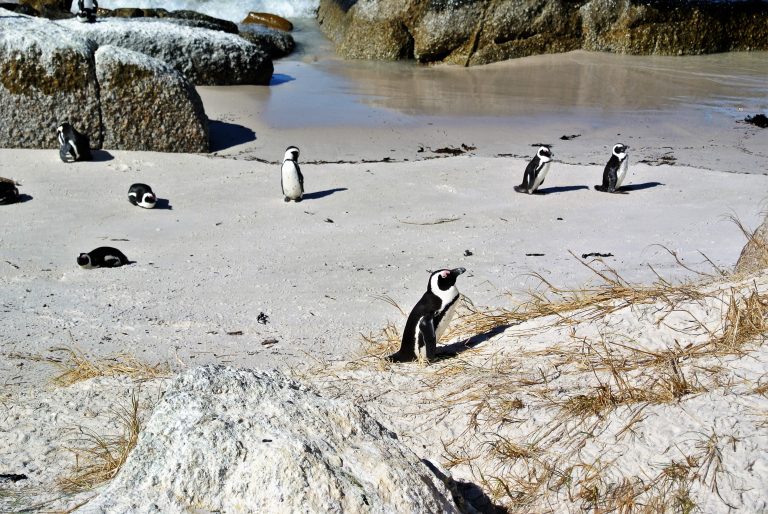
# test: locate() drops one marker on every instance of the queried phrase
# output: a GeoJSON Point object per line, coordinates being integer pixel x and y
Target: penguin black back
{"type": "Point", "coordinates": [429, 317]}
{"type": "Point", "coordinates": [103, 257]}
{"type": "Point", "coordinates": [73, 146]}
{"type": "Point", "coordinates": [142, 196]}
{"type": "Point", "coordinates": [9, 193]}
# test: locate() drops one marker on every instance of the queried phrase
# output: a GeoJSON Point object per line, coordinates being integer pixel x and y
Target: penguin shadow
{"type": "Point", "coordinates": [225, 135]}
{"type": "Point", "coordinates": [455, 349]}
{"type": "Point", "coordinates": [322, 194]}
{"type": "Point", "coordinates": [639, 187]}
{"type": "Point", "coordinates": [558, 189]}
{"type": "Point", "coordinates": [280, 78]}
{"type": "Point", "coordinates": [24, 198]}
{"type": "Point", "coordinates": [163, 203]}
{"type": "Point", "coordinates": [101, 156]}
{"type": "Point", "coordinates": [470, 492]}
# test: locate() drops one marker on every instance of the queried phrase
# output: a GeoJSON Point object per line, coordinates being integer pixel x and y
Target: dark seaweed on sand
{"type": "Point", "coordinates": [759, 120]}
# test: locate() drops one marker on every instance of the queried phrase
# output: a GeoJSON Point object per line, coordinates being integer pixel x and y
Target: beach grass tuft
{"type": "Point", "coordinates": [75, 366]}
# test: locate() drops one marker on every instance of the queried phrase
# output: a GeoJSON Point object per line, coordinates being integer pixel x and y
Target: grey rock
{"type": "Point", "coordinates": [47, 76]}
{"type": "Point", "coordinates": [276, 43]}
{"type": "Point", "coordinates": [205, 57]}
{"type": "Point", "coordinates": [481, 31]}
{"type": "Point", "coordinates": [147, 105]}
{"type": "Point", "coordinates": [229, 440]}
{"type": "Point", "coordinates": [754, 255]}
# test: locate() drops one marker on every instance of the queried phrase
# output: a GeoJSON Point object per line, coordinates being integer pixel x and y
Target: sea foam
{"type": "Point", "coordinates": [232, 10]}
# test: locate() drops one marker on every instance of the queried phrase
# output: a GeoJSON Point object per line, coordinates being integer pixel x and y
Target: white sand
{"type": "Point", "coordinates": [230, 249]}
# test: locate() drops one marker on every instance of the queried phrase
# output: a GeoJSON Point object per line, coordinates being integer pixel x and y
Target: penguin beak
{"type": "Point", "coordinates": [458, 271]}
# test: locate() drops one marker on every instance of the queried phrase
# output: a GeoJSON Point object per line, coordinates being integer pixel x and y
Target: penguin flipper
{"type": "Point", "coordinates": [427, 329]}
{"type": "Point", "coordinates": [65, 153]}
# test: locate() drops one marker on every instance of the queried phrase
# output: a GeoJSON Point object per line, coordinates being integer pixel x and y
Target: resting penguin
{"type": "Point", "coordinates": [430, 317]}
{"type": "Point", "coordinates": [9, 193]}
{"type": "Point", "coordinates": [616, 170]}
{"type": "Point", "coordinates": [102, 257]}
{"type": "Point", "coordinates": [74, 145]}
{"type": "Point", "coordinates": [291, 179]}
{"type": "Point", "coordinates": [142, 195]}
{"type": "Point", "coordinates": [536, 171]}
{"type": "Point", "coordinates": [86, 12]}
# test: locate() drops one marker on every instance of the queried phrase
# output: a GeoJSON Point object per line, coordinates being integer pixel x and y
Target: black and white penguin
{"type": "Point", "coordinates": [142, 195]}
{"type": "Point", "coordinates": [86, 11]}
{"type": "Point", "coordinates": [616, 170]}
{"type": "Point", "coordinates": [9, 193]}
{"type": "Point", "coordinates": [536, 171]}
{"type": "Point", "coordinates": [291, 179]}
{"type": "Point", "coordinates": [103, 257]}
{"type": "Point", "coordinates": [430, 317]}
{"type": "Point", "coordinates": [74, 146]}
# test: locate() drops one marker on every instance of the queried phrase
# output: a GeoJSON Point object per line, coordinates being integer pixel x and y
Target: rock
{"type": "Point", "coordinates": [19, 8]}
{"type": "Point", "coordinates": [52, 9]}
{"type": "Point", "coordinates": [271, 21]}
{"type": "Point", "coordinates": [205, 57]}
{"type": "Point", "coordinates": [47, 76]}
{"type": "Point", "coordinates": [472, 32]}
{"type": "Point", "coordinates": [226, 440]}
{"type": "Point", "coordinates": [754, 255]}
{"type": "Point", "coordinates": [147, 105]}
{"type": "Point", "coordinates": [205, 21]}
{"type": "Point", "coordinates": [276, 43]}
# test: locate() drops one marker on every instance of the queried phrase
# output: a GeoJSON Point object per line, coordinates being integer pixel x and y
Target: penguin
{"type": "Point", "coordinates": [616, 170]}
{"type": "Point", "coordinates": [536, 171]}
{"type": "Point", "coordinates": [86, 12]}
{"type": "Point", "coordinates": [74, 145]}
{"type": "Point", "coordinates": [291, 179]}
{"type": "Point", "coordinates": [103, 257]}
{"type": "Point", "coordinates": [9, 193]}
{"type": "Point", "coordinates": [429, 317]}
{"type": "Point", "coordinates": [142, 195]}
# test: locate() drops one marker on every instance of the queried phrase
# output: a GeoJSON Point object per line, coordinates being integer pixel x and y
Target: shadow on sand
{"type": "Point", "coordinates": [640, 187]}
{"type": "Point", "coordinates": [322, 194]}
{"type": "Point", "coordinates": [101, 156]}
{"type": "Point", "coordinates": [559, 189]}
{"type": "Point", "coordinates": [280, 78]}
{"type": "Point", "coordinates": [163, 203]}
{"type": "Point", "coordinates": [226, 135]}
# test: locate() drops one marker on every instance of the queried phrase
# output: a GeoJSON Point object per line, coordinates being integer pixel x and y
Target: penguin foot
{"type": "Point", "coordinates": [286, 199]}
{"type": "Point", "coordinates": [399, 357]}
{"type": "Point", "coordinates": [603, 189]}
{"type": "Point", "coordinates": [521, 189]}
{"type": "Point", "coordinates": [298, 200]}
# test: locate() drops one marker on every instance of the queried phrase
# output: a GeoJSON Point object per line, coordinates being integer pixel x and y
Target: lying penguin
{"type": "Point", "coordinates": [615, 170]}
{"type": "Point", "coordinates": [103, 257]}
{"type": "Point", "coordinates": [142, 195]}
{"type": "Point", "coordinates": [9, 193]}
{"type": "Point", "coordinates": [536, 171]}
{"type": "Point", "coordinates": [430, 317]}
{"type": "Point", "coordinates": [73, 146]}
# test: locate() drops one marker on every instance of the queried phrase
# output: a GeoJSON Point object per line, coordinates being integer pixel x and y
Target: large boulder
{"type": "Point", "coordinates": [481, 31]}
{"type": "Point", "coordinates": [277, 43]}
{"type": "Point", "coordinates": [205, 57]}
{"type": "Point", "coordinates": [147, 105]}
{"type": "Point", "coordinates": [754, 255]}
{"type": "Point", "coordinates": [226, 440]}
{"type": "Point", "coordinates": [47, 76]}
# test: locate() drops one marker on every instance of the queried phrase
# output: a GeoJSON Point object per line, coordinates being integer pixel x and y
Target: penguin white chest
{"type": "Point", "coordinates": [291, 184]}
{"type": "Point", "coordinates": [447, 317]}
{"type": "Point", "coordinates": [540, 177]}
{"type": "Point", "coordinates": [622, 174]}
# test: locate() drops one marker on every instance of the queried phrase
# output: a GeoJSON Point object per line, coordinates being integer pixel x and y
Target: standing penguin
{"type": "Point", "coordinates": [291, 179]}
{"type": "Point", "coordinates": [102, 257]}
{"type": "Point", "coordinates": [616, 170]}
{"type": "Point", "coordinates": [430, 317]}
{"type": "Point", "coordinates": [86, 12]}
{"type": "Point", "coordinates": [9, 193]}
{"type": "Point", "coordinates": [142, 195]}
{"type": "Point", "coordinates": [536, 171]}
{"type": "Point", "coordinates": [74, 146]}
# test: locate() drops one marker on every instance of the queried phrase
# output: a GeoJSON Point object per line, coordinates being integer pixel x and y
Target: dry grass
{"type": "Point", "coordinates": [98, 458]}
{"type": "Point", "coordinates": [76, 366]}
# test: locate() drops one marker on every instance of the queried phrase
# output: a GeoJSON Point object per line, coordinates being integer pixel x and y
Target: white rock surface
{"type": "Point", "coordinates": [227, 440]}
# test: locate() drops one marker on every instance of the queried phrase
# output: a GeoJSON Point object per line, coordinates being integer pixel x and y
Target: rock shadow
{"type": "Point", "coordinates": [559, 189]}
{"type": "Point", "coordinates": [280, 78]}
{"type": "Point", "coordinates": [224, 135]}
{"type": "Point", "coordinates": [640, 187]}
{"type": "Point", "coordinates": [322, 194]}
{"type": "Point", "coordinates": [101, 156]}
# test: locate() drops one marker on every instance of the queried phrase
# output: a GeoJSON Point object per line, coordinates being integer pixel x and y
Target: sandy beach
{"type": "Point", "coordinates": [381, 208]}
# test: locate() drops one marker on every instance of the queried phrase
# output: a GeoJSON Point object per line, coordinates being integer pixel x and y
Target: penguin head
{"type": "Point", "coordinates": [84, 260]}
{"type": "Point", "coordinates": [545, 154]}
{"type": "Point", "coordinates": [444, 279]}
{"type": "Point", "coordinates": [61, 128]}
{"type": "Point", "coordinates": [620, 151]}
{"type": "Point", "coordinates": [148, 201]}
{"type": "Point", "coordinates": [291, 154]}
